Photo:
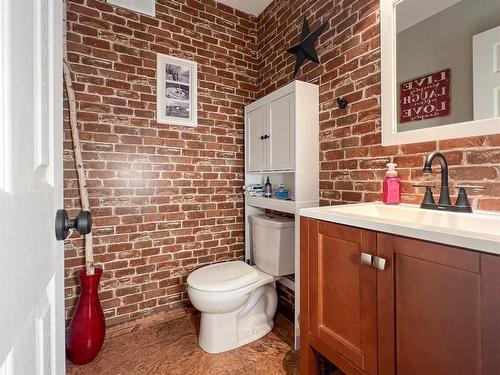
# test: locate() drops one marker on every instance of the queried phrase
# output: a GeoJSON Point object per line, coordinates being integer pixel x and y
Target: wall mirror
{"type": "Point", "coordinates": [440, 69]}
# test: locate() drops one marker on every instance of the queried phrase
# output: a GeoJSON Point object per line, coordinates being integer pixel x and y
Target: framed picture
{"type": "Point", "coordinates": [425, 97]}
{"type": "Point", "coordinates": [176, 91]}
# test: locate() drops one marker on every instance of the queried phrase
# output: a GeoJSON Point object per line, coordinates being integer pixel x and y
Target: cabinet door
{"type": "Point", "coordinates": [281, 132]}
{"type": "Point", "coordinates": [256, 146]}
{"type": "Point", "coordinates": [437, 304]}
{"type": "Point", "coordinates": [342, 292]}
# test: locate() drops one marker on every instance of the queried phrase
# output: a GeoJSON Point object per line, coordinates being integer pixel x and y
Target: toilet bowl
{"type": "Point", "coordinates": [236, 312]}
{"type": "Point", "coordinates": [237, 301]}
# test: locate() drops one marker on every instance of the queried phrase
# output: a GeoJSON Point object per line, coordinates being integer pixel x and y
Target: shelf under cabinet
{"type": "Point", "coordinates": [272, 204]}
{"type": "Point", "coordinates": [271, 172]}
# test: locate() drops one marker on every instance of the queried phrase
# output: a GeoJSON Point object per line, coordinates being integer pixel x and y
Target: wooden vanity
{"type": "Point", "coordinates": [430, 309]}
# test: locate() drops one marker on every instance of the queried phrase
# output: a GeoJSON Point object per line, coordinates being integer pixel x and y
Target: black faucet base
{"type": "Point", "coordinates": [446, 207]}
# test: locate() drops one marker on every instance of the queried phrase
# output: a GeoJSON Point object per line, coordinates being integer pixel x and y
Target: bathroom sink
{"type": "Point", "coordinates": [478, 230]}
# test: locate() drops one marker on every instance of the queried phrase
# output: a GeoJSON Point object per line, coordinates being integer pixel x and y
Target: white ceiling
{"type": "Point", "coordinates": [254, 7]}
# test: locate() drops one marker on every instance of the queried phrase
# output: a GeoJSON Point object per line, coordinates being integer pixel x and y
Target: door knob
{"type": "Point", "coordinates": [82, 223]}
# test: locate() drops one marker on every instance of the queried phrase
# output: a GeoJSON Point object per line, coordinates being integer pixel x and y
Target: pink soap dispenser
{"type": "Point", "coordinates": [392, 185]}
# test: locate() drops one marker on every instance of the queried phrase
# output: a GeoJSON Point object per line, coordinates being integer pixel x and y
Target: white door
{"type": "Point", "coordinates": [281, 141]}
{"type": "Point", "coordinates": [31, 261]}
{"type": "Point", "coordinates": [256, 143]}
{"type": "Point", "coordinates": [486, 68]}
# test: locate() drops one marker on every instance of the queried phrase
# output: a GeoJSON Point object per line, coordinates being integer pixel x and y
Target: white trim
{"type": "Point", "coordinates": [5, 97]}
{"type": "Point", "coordinates": [161, 118]}
{"type": "Point", "coordinates": [390, 135]}
{"type": "Point", "coordinates": [142, 6]}
{"type": "Point", "coordinates": [42, 61]}
{"type": "Point", "coordinates": [55, 174]}
{"type": "Point", "coordinates": [55, 89]}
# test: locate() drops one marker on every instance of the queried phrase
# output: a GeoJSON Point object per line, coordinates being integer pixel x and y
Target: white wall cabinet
{"type": "Point", "coordinates": [271, 136]}
{"type": "Point", "coordinates": [281, 130]}
{"type": "Point", "coordinates": [282, 143]}
{"type": "Point", "coordinates": [256, 150]}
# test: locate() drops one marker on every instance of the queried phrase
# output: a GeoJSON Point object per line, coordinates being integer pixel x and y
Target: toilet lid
{"type": "Point", "coordinates": [223, 277]}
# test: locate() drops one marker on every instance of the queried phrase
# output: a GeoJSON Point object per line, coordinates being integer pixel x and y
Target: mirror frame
{"type": "Point", "coordinates": [389, 95]}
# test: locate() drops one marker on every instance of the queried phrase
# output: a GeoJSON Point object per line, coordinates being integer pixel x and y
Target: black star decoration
{"type": "Point", "coordinates": [305, 49]}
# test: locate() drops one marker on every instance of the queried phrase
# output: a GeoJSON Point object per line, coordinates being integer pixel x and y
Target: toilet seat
{"type": "Point", "coordinates": [223, 277]}
{"type": "Point", "coordinates": [227, 298]}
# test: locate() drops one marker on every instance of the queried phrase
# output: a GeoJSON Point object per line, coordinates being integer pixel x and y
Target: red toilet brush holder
{"type": "Point", "coordinates": [87, 329]}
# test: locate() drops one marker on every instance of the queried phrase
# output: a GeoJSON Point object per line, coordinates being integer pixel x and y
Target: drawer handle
{"type": "Point", "coordinates": [379, 263]}
{"type": "Point", "coordinates": [366, 259]}
{"type": "Point", "coordinates": [374, 261]}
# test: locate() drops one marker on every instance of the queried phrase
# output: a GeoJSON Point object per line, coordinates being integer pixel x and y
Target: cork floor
{"type": "Point", "coordinates": [171, 348]}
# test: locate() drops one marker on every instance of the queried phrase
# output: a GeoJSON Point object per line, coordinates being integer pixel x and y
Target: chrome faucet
{"type": "Point", "coordinates": [461, 205]}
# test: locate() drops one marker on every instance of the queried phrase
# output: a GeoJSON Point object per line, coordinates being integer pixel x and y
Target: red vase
{"type": "Point", "coordinates": [87, 328]}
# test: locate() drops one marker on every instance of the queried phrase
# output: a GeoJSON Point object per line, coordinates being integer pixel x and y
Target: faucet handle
{"type": "Point", "coordinates": [428, 197]}
{"type": "Point", "coordinates": [427, 186]}
{"type": "Point", "coordinates": [462, 199]}
{"type": "Point", "coordinates": [470, 187]}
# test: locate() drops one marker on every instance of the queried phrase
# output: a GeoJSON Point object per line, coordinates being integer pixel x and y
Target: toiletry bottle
{"type": "Point", "coordinates": [392, 185]}
{"type": "Point", "coordinates": [268, 189]}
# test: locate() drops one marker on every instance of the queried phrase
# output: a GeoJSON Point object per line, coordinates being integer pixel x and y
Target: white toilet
{"type": "Point", "coordinates": [238, 301]}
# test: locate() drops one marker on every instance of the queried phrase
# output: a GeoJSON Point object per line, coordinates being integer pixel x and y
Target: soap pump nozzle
{"type": "Point", "coordinates": [391, 171]}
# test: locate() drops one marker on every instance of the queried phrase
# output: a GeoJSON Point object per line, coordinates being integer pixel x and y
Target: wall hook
{"type": "Point", "coordinates": [342, 103]}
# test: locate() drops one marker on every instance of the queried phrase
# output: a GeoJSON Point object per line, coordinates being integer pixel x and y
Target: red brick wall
{"type": "Point", "coordinates": [165, 199]}
{"type": "Point", "coordinates": [352, 158]}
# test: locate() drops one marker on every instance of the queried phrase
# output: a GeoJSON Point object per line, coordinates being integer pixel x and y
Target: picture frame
{"type": "Point", "coordinates": [176, 91]}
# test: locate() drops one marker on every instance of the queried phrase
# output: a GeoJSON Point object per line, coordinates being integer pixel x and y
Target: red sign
{"type": "Point", "coordinates": [425, 97]}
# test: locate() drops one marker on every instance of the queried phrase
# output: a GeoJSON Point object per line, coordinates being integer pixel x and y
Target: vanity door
{"type": "Point", "coordinates": [438, 309]}
{"type": "Point", "coordinates": [342, 293]}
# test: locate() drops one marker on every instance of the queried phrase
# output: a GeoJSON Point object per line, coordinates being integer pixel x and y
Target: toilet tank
{"type": "Point", "coordinates": [273, 240]}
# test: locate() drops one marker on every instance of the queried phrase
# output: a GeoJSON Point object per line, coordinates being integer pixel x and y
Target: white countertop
{"type": "Point", "coordinates": [477, 231]}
